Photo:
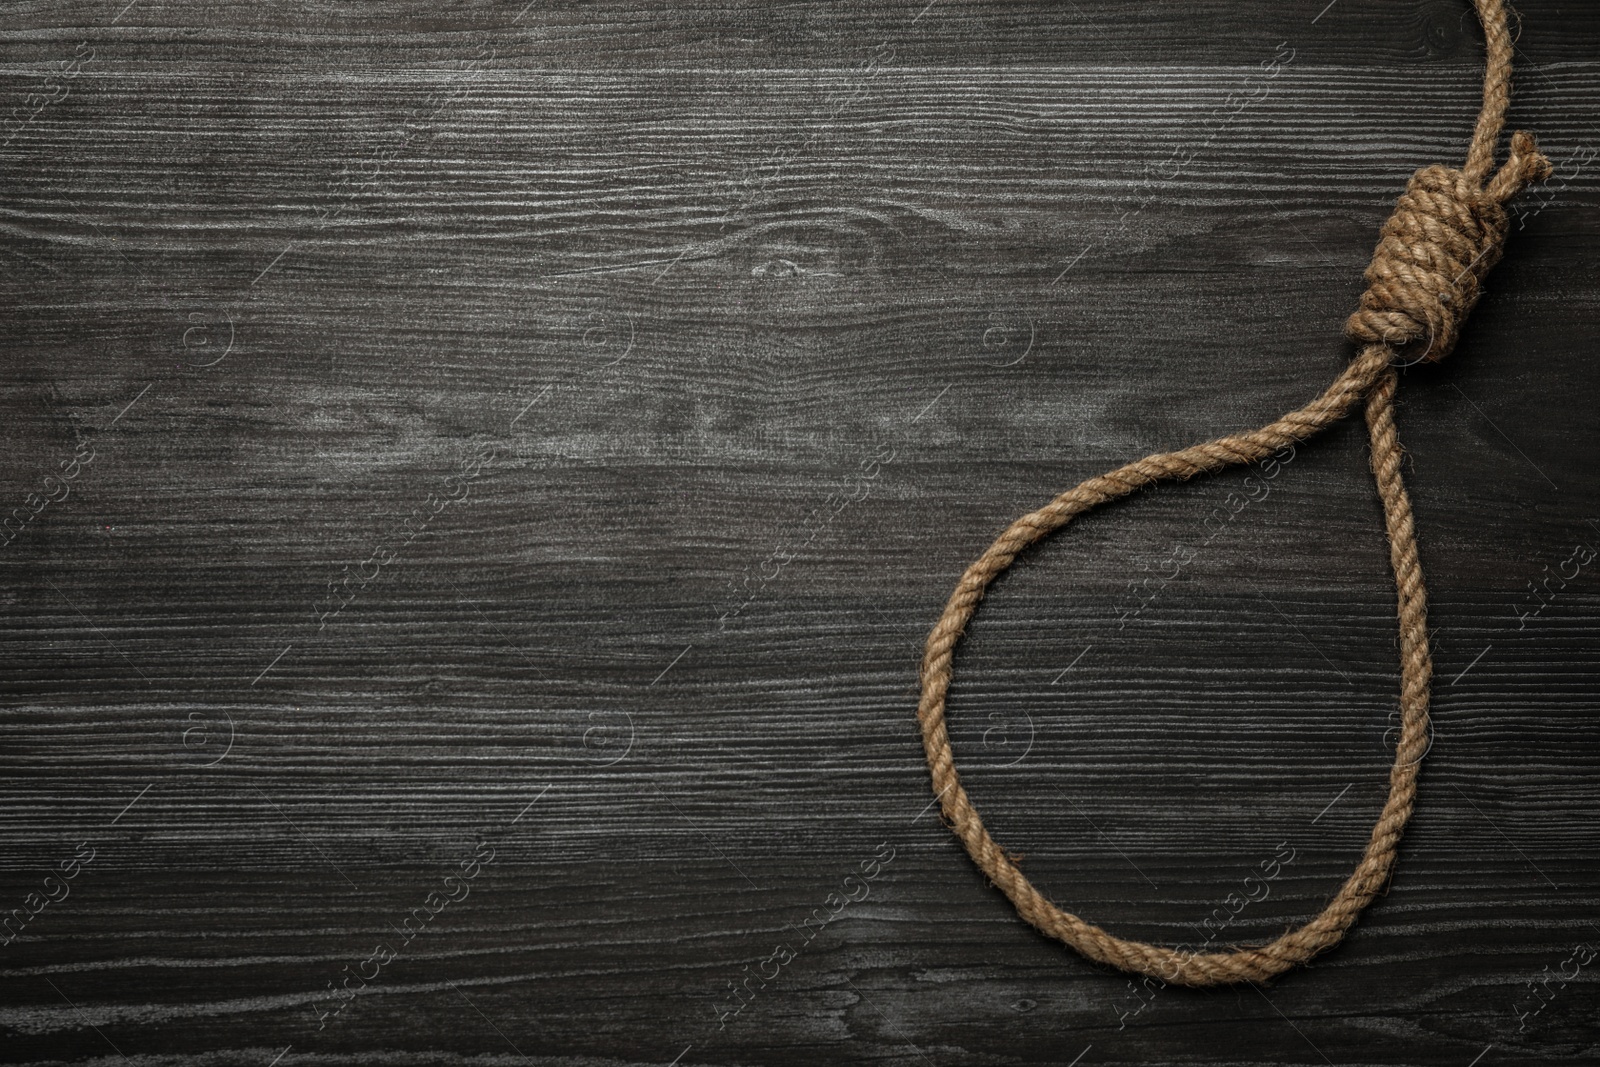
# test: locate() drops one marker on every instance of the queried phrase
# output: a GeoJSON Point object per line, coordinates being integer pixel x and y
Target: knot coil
{"type": "Point", "coordinates": [1446, 232]}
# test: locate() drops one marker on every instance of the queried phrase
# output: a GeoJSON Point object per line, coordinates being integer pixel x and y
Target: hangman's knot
{"type": "Point", "coordinates": [1446, 231]}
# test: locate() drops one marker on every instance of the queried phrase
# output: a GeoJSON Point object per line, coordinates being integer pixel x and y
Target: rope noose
{"type": "Point", "coordinates": [1447, 230]}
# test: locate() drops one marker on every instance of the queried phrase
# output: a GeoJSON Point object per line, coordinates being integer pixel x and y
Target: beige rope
{"type": "Point", "coordinates": [1446, 231]}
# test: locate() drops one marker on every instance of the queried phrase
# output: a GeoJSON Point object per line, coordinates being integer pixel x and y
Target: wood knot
{"type": "Point", "coordinates": [1446, 232]}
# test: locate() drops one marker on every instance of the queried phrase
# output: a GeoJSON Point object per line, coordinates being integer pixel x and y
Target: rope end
{"type": "Point", "coordinates": [1525, 165]}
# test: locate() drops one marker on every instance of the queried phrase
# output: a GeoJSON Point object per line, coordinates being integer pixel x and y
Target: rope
{"type": "Point", "coordinates": [1447, 230]}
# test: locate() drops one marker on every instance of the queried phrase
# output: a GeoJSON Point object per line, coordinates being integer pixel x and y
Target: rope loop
{"type": "Point", "coordinates": [1447, 230]}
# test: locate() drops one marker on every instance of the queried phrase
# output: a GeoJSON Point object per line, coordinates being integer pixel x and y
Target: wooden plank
{"type": "Point", "coordinates": [552, 430]}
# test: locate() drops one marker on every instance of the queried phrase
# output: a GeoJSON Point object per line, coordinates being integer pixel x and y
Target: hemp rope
{"type": "Point", "coordinates": [1448, 228]}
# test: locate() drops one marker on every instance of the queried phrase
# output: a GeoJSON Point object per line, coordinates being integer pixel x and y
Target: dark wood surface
{"type": "Point", "coordinates": [548, 433]}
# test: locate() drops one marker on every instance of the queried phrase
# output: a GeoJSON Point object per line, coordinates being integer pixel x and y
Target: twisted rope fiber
{"type": "Point", "coordinates": [1447, 230]}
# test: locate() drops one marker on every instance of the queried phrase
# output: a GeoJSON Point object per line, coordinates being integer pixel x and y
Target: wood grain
{"type": "Point", "coordinates": [552, 430]}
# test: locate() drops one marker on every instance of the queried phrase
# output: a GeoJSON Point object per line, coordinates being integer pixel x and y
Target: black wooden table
{"type": "Point", "coordinates": [481, 475]}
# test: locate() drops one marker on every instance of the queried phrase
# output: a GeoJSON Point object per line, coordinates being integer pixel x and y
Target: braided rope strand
{"type": "Point", "coordinates": [1446, 231]}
